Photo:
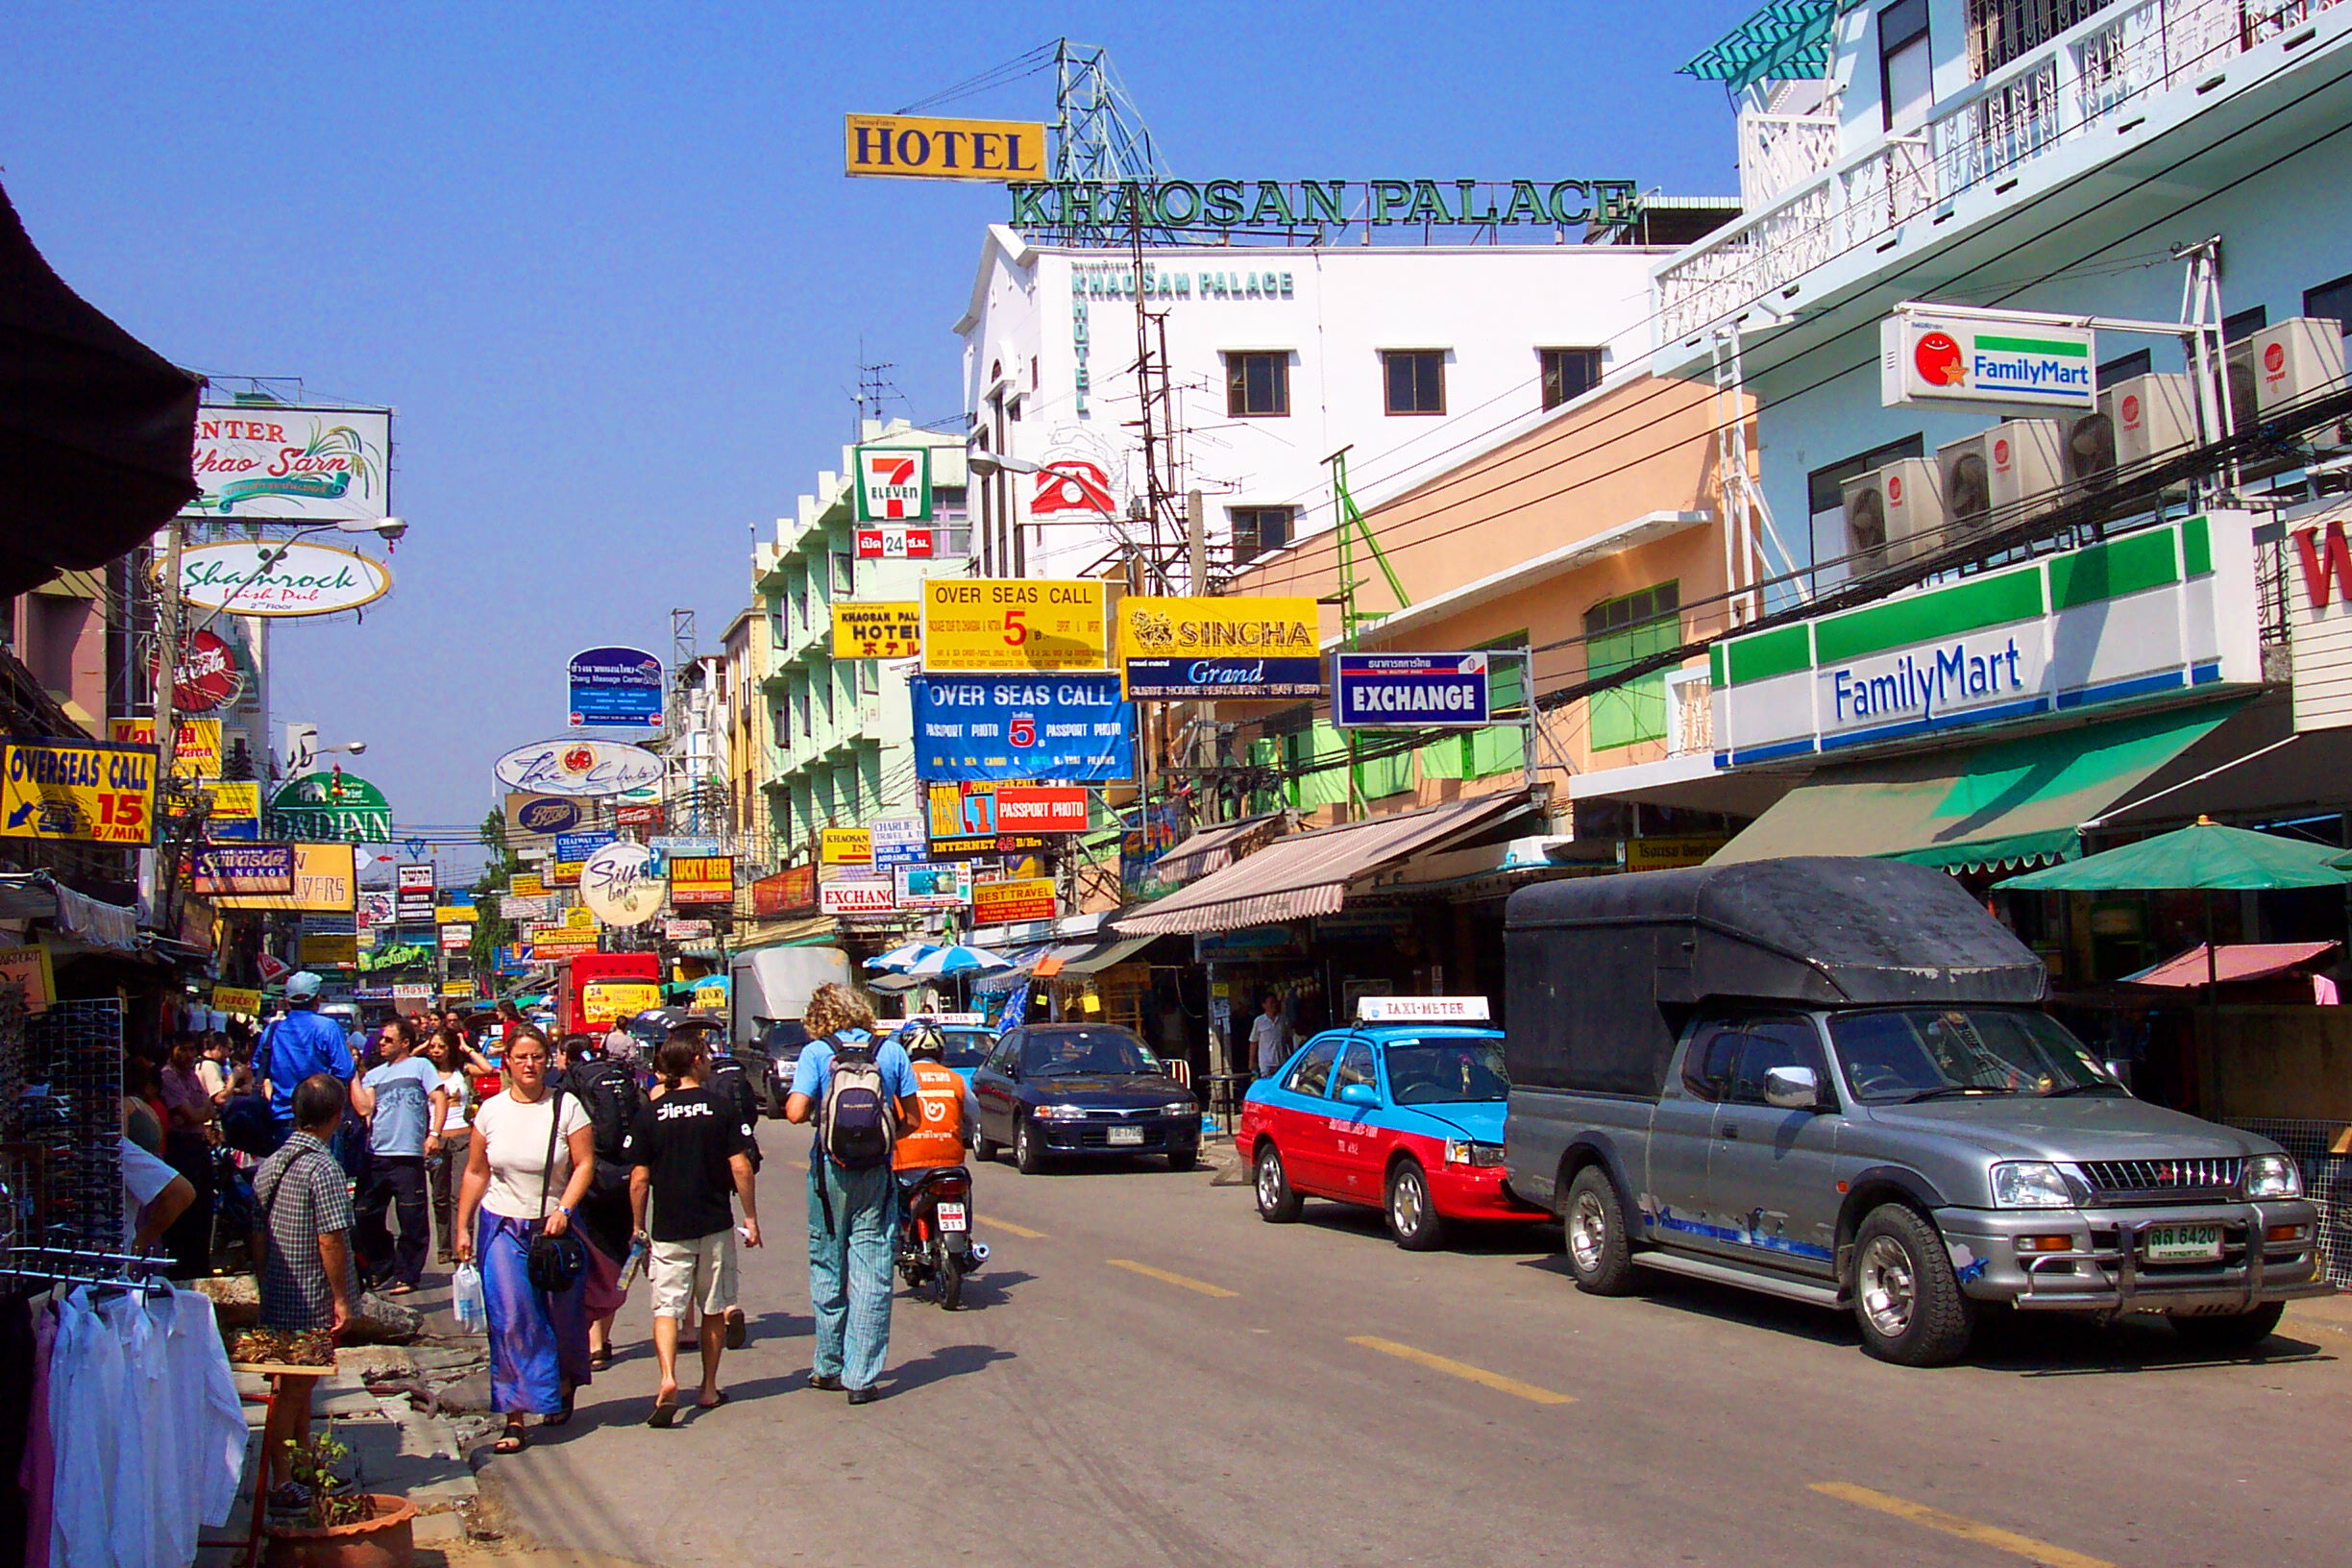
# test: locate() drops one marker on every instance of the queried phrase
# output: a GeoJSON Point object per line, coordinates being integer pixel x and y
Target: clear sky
{"type": "Point", "coordinates": [603, 261]}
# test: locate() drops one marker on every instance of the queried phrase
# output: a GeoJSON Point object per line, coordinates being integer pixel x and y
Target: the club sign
{"type": "Point", "coordinates": [577, 767]}
{"type": "Point", "coordinates": [1410, 690]}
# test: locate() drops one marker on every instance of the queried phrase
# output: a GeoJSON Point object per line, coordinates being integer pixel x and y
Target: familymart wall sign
{"type": "Point", "coordinates": [2146, 615]}
{"type": "Point", "coordinates": [1928, 358]}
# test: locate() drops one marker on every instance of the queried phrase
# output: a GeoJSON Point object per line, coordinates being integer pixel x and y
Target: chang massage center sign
{"type": "Point", "coordinates": [2148, 614]}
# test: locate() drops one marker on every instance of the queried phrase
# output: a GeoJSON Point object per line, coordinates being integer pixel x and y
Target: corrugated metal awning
{"type": "Point", "coordinates": [1211, 849]}
{"type": "Point", "coordinates": [1307, 873]}
{"type": "Point", "coordinates": [1093, 957]}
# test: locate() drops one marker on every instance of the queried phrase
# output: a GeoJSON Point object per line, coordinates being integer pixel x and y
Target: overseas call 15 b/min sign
{"type": "Point", "coordinates": [984, 624]}
{"type": "Point", "coordinates": [80, 790]}
{"type": "Point", "coordinates": [918, 147]}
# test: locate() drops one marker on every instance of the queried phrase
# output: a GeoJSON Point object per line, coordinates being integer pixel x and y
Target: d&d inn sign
{"type": "Point", "coordinates": [1283, 204]}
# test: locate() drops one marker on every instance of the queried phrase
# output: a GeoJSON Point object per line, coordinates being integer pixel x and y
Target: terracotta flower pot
{"type": "Point", "coordinates": [386, 1540]}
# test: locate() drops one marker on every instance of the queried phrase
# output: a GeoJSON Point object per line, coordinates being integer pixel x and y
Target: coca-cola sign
{"type": "Point", "coordinates": [209, 676]}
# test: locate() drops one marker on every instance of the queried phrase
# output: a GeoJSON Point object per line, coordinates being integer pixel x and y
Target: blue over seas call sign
{"type": "Point", "coordinates": [1070, 728]}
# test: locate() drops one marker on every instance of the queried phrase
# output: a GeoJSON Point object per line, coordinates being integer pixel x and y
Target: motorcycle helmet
{"type": "Point", "coordinates": [925, 1040]}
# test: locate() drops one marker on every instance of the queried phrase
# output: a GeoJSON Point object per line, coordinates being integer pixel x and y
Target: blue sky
{"type": "Point", "coordinates": [603, 261]}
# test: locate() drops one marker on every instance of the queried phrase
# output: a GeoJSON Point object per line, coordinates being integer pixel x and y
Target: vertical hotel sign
{"type": "Point", "coordinates": [921, 147]}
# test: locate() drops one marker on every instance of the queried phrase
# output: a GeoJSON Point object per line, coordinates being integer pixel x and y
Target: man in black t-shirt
{"type": "Point", "coordinates": [687, 1152]}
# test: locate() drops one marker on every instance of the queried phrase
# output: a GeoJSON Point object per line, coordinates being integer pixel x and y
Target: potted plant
{"type": "Point", "coordinates": [322, 1520]}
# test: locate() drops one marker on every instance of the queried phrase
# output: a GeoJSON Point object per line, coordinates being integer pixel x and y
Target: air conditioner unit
{"type": "Point", "coordinates": [2300, 357]}
{"type": "Point", "coordinates": [2139, 419]}
{"type": "Point", "coordinates": [2001, 472]}
{"type": "Point", "coordinates": [1893, 514]}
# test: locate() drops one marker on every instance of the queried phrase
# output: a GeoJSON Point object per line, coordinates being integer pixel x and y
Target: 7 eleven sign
{"type": "Point", "coordinates": [894, 484]}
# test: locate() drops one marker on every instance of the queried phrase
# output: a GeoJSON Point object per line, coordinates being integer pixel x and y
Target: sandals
{"type": "Point", "coordinates": [600, 1361]}
{"type": "Point", "coordinates": [738, 1332]}
{"type": "Point", "coordinates": [664, 1416]}
{"type": "Point", "coordinates": [515, 1442]}
{"type": "Point", "coordinates": [712, 1403]}
{"type": "Point", "coordinates": [563, 1417]}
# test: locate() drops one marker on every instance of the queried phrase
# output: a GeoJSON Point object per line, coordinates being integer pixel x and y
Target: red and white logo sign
{"type": "Point", "coordinates": [892, 482]}
{"type": "Point", "coordinates": [1939, 359]}
{"type": "Point", "coordinates": [1041, 808]}
{"type": "Point", "coordinates": [896, 544]}
{"type": "Point", "coordinates": [1895, 489]}
{"type": "Point", "coordinates": [1072, 487]}
{"type": "Point", "coordinates": [876, 898]}
{"type": "Point", "coordinates": [2274, 358]}
{"type": "Point", "coordinates": [2129, 409]}
{"type": "Point", "coordinates": [2000, 455]}
{"type": "Point", "coordinates": [209, 677]}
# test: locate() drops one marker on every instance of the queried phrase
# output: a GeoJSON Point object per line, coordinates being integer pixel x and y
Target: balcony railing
{"type": "Point", "coordinates": [2082, 80]}
{"type": "Point", "coordinates": [1780, 152]}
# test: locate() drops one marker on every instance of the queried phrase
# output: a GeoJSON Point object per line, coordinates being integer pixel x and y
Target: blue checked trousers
{"type": "Point", "coordinates": [851, 1253]}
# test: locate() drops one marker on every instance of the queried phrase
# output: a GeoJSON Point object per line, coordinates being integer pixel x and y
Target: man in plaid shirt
{"type": "Point", "coordinates": [305, 1209]}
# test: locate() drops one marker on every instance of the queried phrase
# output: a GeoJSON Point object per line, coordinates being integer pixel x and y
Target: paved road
{"type": "Point", "coordinates": [1150, 1375]}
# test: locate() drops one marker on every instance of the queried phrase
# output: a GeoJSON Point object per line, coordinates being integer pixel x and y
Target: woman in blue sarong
{"type": "Point", "coordinates": [532, 1158]}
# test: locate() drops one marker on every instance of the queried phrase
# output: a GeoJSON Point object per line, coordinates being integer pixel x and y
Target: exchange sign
{"type": "Point", "coordinates": [78, 790]}
{"type": "Point", "coordinates": [271, 577]}
{"type": "Point", "coordinates": [877, 632]}
{"type": "Point", "coordinates": [1012, 624]}
{"type": "Point", "coordinates": [894, 484]}
{"type": "Point", "coordinates": [1408, 691]}
{"type": "Point", "coordinates": [615, 686]}
{"type": "Point", "coordinates": [1069, 728]}
{"type": "Point", "coordinates": [216, 868]}
{"type": "Point", "coordinates": [1188, 650]}
{"type": "Point", "coordinates": [863, 896]}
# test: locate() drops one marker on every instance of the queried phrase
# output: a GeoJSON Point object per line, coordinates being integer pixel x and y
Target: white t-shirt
{"type": "Point", "coordinates": [1267, 1037]}
{"type": "Point", "coordinates": [145, 1179]}
{"type": "Point", "coordinates": [514, 1138]}
{"type": "Point", "coordinates": [460, 1091]}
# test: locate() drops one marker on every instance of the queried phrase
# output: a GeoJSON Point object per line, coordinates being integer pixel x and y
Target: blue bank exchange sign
{"type": "Point", "coordinates": [1410, 690]}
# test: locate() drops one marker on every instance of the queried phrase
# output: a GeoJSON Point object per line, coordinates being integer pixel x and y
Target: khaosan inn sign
{"type": "Point", "coordinates": [2148, 615]}
{"type": "Point", "coordinates": [1287, 203]}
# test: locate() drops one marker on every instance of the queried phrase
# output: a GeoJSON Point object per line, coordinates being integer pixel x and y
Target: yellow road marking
{"type": "Point", "coordinates": [1952, 1524]}
{"type": "Point", "coordinates": [1461, 1370]}
{"type": "Point", "coordinates": [1185, 1282]}
{"type": "Point", "coordinates": [1007, 1226]}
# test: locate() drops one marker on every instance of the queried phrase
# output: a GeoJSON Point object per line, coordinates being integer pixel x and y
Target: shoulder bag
{"type": "Point", "coordinates": [555, 1261]}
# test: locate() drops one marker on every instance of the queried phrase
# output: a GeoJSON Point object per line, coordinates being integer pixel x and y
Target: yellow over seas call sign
{"type": "Point", "coordinates": [975, 624]}
{"type": "Point", "coordinates": [83, 790]}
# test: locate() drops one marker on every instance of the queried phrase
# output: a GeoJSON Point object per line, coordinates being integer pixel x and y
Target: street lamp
{"type": "Point", "coordinates": [990, 464]}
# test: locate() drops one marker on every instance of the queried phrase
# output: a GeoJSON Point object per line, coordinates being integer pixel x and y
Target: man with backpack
{"type": "Point", "coordinates": [606, 1087]}
{"type": "Point", "coordinates": [862, 1093]}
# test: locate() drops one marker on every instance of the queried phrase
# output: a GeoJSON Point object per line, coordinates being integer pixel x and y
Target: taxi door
{"type": "Point", "coordinates": [1300, 1111]}
{"type": "Point", "coordinates": [1359, 1145]}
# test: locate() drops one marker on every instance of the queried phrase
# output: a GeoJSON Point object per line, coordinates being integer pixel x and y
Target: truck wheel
{"type": "Point", "coordinates": [1906, 1298]}
{"type": "Point", "coordinates": [1599, 1252]}
{"type": "Point", "coordinates": [1413, 1216]}
{"type": "Point", "coordinates": [1278, 1202]}
{"type": "Point", "coordinates": [2235, 1331]}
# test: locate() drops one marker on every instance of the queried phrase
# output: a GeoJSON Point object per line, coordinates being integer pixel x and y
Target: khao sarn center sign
{"type": "Point", "coordinates": [2142, 617]}
{"type": "Point", "coordinates": [1226, 204]}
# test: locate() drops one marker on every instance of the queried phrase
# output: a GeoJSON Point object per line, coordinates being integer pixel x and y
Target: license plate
{"type": "Point", "coordinates": [952, 1217]}
{"type": "Point", "coordinates": [1126, 1134]}
{"type": "Point", "coordinates": [2181, 1244]}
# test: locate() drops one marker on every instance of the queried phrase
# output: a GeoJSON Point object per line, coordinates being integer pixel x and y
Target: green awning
{"type": "Point", "coordinates": [1786, 40]}
{"type": "Point", "coordinates": [2206, 855]}
{"type": "Point", "coordinates": [2000, 806]}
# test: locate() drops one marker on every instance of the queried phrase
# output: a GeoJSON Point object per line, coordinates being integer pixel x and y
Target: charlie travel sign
{"type": "Point", "coordinates": [2151, 615]}
{"type": "Point", "coordinates": [1225, 204]}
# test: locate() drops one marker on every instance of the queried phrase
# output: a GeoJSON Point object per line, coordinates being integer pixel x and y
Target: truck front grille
{"type": "Point", "coordinates": [2162, 1181]}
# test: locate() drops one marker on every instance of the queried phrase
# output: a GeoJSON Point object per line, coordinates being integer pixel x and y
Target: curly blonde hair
{"type": "Point", "coordinates": [834, 1008]}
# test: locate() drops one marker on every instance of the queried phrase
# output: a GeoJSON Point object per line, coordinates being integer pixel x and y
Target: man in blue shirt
{"type": "Point", "coordinates": [302, 1043]}
{"type": "Point", "coordinates": [852, 1214]}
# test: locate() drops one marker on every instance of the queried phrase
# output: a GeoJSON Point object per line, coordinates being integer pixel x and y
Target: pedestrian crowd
{"type": "Point", "coordinates": [557, 1175]}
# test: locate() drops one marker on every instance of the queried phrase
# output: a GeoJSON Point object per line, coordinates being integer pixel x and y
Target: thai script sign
{"type": "Point", "coordinates": [921, 147]}
{"type": "Point", "coordinates": [577, 767]}
{"type": "Point", "coordinates": [1226, 204]}
{"type": "Point", "coordinates": [877, 632]}
{"type": "Point", "coordinates": [615, 686]}
{"type": "Point", "coordinates": [1977, 361]}
{"type": "Point", "coordinates": [79, 789]}
{"type": "Point", "coordinates": [894, 484]}
{"type": "Point", "coordinates": [1069, 728]}
{"type": "Point", "coordinates": [241, 867]}
{"type": "Point", "coordinates": [196, 744]}
{"type": "Point", "coordinates": [278, 577]}
{"type": "Point", "coordinates": [1408, 691]}
{"type": "Point", "coordinates": [1186, 650]}
{"type": "Point", "coordinates": [896, 544]}
{"type": "Point", "coordinates": [274, 465]}
{"type": "Point", "coordinates": [983, 623]}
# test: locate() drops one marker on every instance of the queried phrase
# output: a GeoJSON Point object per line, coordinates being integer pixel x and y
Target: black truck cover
{"type": "Point", "coordinates": [1602, 972]}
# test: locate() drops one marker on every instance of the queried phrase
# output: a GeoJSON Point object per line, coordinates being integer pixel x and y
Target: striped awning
{"type": "Point", "coordinates": [1786, 40]}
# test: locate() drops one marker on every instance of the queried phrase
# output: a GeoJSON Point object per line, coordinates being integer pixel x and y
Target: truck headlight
{"type": "Point", "coordinates": [2273, 1176]}
{"type": "Point", "coordinates": [1059, 1112]}
{"type": "Point", "coordinates": [1461, 1151]}
{"type": "Point", "coordinates": [2029, 1183]}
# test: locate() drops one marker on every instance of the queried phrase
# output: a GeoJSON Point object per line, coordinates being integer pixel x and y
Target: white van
{"type": "Point", "coordinates": [773, 985]}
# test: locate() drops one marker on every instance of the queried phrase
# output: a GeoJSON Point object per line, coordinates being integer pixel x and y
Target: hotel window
{"type": "Point", "coordinates": [2330, 302]}
{"type": "Point", "coordinates": [1258, 384]}
{"type": "Point", "coordinates": [844, 576]}
{"type": "Point", "coordinates": [2138, 363]}
{"type": "Point", "coordinates": [1906, 64]}
{"type": "Point", "coordinates": [2238, 327]}
{"type": "Point", "coordinates": [1259, 531]}
{"type": "Point", "coordinates": [1618, 633]}
{"type": "Point", "coordinates": [1568, 373]}
{"type": "Point", "coordinates": [868, 678]}
{"type": "Point", "coordinates": [1415, 380]}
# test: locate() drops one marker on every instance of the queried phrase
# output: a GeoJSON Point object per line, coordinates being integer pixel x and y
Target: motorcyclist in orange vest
{"type": "Point", "coordinates": [949, 1110]}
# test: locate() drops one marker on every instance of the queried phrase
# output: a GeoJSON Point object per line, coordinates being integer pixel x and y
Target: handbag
{"type": "Point", "coordinates": [556, 1263]}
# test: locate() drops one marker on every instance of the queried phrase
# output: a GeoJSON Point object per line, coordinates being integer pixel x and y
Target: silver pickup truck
{"type": "Point", "coordinates": [1832, 1081]}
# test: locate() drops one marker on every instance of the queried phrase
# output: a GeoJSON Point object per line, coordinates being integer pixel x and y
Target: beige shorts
{"type": "Point", "coordinates": [687, 1276]}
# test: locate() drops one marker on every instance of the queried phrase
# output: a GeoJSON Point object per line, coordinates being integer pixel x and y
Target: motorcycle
{"type": "Point", "coordinates": [936, 1248]}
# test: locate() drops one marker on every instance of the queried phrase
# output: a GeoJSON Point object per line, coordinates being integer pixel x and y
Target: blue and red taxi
{"type": "Point", "coordinates": [1403, 1112]}
{"type": "Point", "coordinates": [966, 1038]}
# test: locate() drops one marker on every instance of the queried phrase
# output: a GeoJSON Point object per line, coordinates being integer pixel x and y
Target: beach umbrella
{"type": "Point", "coordinates": [901, 958]}
{"type": "Point", "coordinates": [957, 959]}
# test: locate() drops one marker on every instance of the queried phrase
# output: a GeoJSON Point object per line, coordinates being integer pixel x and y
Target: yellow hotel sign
{"type": "Point", "coordinates": [973, 624]}
{"type": "Point", "coordinates": [78, 790]}
{"type": "Point", "coordinates": [920, 147]}
{"type": "Point", "coordinates": [877, 632]}
{"type": "Point", "coordinates": [846, 847]}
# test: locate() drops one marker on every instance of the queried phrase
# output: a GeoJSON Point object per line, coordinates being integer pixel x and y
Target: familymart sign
{"type": "Point", "coordinates": [2135, 619]}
